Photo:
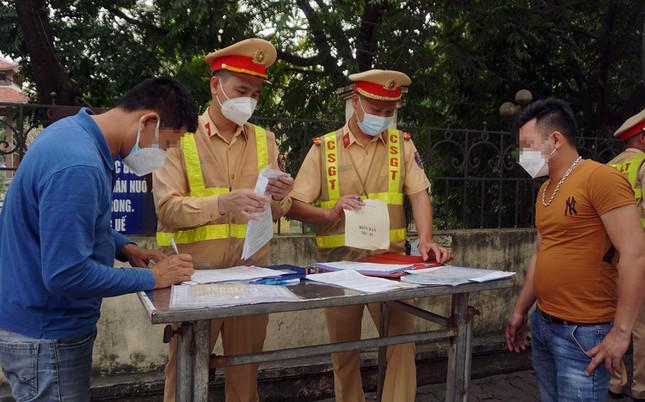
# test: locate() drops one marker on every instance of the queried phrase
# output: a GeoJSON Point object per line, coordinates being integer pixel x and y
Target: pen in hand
{"type": "Point", "coordinates": [173, 243]}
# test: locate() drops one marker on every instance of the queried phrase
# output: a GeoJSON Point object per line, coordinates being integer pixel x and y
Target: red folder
{"type": "Point", "coordinates": [394, 258]}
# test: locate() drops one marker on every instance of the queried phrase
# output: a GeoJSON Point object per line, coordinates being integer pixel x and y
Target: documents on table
{"type": "Point", "coordinates": [242, 273]}
{"type": "Point", "coordinates": [452, 275]}
{"type": "Point", "coordinates": [367, 268]}
{"type": "Point", "coordinates": [362, 283]}
{"type": "Point", "coordinates": [259, 231]}
{"type": "Point", "coordinates": [368, 227]}
{"type": "Point", "coordinates": [227, 294]}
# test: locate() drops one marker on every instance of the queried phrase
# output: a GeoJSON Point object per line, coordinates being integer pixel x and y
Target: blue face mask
{"type": "Point", "coordinates": [372, 124]}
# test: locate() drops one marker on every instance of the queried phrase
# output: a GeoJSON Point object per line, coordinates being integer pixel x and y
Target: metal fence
{"type": "Point", "coordinates": [20, 123]}
{"type": "Point", "coordinates": [476, 182]}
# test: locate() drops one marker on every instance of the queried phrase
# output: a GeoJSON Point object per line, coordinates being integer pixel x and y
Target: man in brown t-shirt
{"type": "Point", "coordinates": [586, 306]}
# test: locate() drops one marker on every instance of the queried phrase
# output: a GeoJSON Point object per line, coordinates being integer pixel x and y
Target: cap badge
{"type": "Point", "coordinates": [390, 84]}
{"type": "Point", "coordinates": [258, 56]}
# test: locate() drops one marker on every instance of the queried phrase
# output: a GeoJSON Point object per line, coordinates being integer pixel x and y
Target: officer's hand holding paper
{"type": "Point", "coordinates": [280, 186]}
{"type": "Point", "coordinates": [368, 227]}
{"type": "Point", "coordinates": [259, 230]}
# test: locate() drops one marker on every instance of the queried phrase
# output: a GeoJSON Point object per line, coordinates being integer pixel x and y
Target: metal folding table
{"type": "Point", "coordinates": [193, 332]}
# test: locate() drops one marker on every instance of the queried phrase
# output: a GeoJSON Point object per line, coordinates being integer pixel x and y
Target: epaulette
{"type": "Point", "coordinates": [317, 141]}
{"type": "Point", "coordinates": [407, 136]}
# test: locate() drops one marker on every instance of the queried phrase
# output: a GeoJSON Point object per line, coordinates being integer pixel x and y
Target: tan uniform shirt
{"type": "Point", "coordinates": [224, 164]}
{"type": "Point", "coordinates": [353, 172]}
{"type": "Point", "coordinates": [626, 155]}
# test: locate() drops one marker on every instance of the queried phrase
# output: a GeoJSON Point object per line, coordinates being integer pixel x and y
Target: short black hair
{"type": "Point", "coordinates": [223, 74]}
{"type": "Point", "coordinates": [635, 139]}
{"type": "Point", "coordinates": [166, 96]}
{"type": "Point", "coordinates": [553, 114]}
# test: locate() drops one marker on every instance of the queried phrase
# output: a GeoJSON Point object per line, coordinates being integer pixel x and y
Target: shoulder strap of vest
{"type": "Point", "coordinates": [261, 143]}
{"type": "Point", "coordinates": [193, 166]}
{"type": "Point", "coordinates": [394, 146]}
{"type": "Point", "coordinates": [330, 162]}
{"type": "Point", "coordinates": [632, 174]}
{"type": "Point", "coordinates": [638, 161]}
{"type": "Point", "coordinates": [630, 169]}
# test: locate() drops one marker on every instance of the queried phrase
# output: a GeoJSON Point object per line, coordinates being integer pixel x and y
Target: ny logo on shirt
{"type": "Point", "coordinates": [570, 208]}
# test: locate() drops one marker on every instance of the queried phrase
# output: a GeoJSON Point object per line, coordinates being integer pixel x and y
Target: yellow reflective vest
{"type": "Point", "coordinates": [199, 189]}
{"type": "Point", "coordinates": [327, 238]}
{"type": "Point", "coordinates": [630, 169]}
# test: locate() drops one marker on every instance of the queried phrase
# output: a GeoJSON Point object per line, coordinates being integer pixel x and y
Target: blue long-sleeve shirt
{"type": "Point", "coordinates": [57, 247]}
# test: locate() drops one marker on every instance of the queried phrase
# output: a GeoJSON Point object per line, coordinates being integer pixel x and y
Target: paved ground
{"type": "Point", "coordinates": [518, 386]}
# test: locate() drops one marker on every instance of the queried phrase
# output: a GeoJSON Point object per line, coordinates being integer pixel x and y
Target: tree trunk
{"type": "Point", "coordinates": [47, 71]}
{"type": "Point", "coordinates": [366, 43]}
{"type": "Point", "coordinates": [604, 64]}
{"type": "Point", "coordinates": [643, 54]}
{"type": "Point", "coordinates": [320, 40]}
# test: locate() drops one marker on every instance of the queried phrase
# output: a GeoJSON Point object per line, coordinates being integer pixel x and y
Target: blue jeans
{"type": "Point", "coordinates": [45, 369]}
{"type": "Point", "coordinates": [559, 360]}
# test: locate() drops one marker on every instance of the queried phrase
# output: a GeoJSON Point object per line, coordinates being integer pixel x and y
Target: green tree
{"type": "Point", "coordinates": [465, 57]}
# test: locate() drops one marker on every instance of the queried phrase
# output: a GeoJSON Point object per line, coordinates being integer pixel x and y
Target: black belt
{"type": "Point", "coordinates": [556, 320]}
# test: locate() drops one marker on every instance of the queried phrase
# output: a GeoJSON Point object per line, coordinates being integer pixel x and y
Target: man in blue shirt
{"type": "Point", "coordinates": [57, 247]}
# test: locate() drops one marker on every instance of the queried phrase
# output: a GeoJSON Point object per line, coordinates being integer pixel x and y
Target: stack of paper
{"type": "Point", "coordinates": [242, 273]}
{"type": "Point", "coordinates": [367, 268]}
{"type": "Point", "coordinates": [362, 283]}
{"type": "Point", "coordinates": [227, 294]}
{"type": "Point", "coordinates": [453, 276]}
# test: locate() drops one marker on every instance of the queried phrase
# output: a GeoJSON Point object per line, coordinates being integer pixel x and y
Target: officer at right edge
{"type": "Point", "coordinates": [630, 163]}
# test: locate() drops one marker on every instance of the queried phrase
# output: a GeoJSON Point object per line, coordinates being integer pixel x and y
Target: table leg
{"type": "Point", "coordinates": [382, 351]}
{"type": "Point", "coordinates": [459, 351]}
{"type": "Point", "coordinates": [472, 312]}
{"type": "Point", "coordinates": [201, 360]}
{"type": "Point", "coordinates": [184, 362]}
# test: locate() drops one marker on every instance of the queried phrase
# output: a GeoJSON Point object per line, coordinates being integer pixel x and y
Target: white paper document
{"type": "Point", "coordinates": [453, 276]}
{"type": "Point", "coordinates": [356, 281]}
{"type": "Point", "coordinates": [227, 294]}
{"type": "Point", "coordinates": [369, 268]}
{"type": "Point", "coordinates": [369, 227]}
{"type": "Point", "coordinates": [242, 273]}
{"type": "Point", "coordinates": [259, 231]}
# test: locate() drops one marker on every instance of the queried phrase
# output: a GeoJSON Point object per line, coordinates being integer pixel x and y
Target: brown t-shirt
{"type": "Point", "coordinates": [574, 278]}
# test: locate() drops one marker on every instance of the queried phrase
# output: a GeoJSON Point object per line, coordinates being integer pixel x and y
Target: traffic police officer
{"type": "Point", "coordinates": [366, 159]}
{"type": "Point", "coordinates": [204, 196]}
{"type": "Point", "coordinates": [630, 163]}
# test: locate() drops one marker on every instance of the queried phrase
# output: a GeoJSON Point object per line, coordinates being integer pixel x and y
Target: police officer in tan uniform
{"type": "Point", "coordinates": [366, 159]}
{"type": "Point", "coordinates": [630, 163]}
{"type": "Point", "coordinates": [204, 196]}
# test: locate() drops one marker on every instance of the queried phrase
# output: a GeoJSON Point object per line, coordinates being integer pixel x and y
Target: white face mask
{"type": "Point", "coordinates": [238, 110]}
{"type": "Point", "coordinates": [534, 162]}
{"type": "Point", "coordinates": [142, 161]}
{"type": "Point", "coordinates": [372, 124]}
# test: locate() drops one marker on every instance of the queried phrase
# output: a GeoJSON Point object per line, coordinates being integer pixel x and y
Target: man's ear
{"type": "Point", "coordinates": [150, 118]}
{"type": "Point", "coordinates": [558, 139]}
{"type": "Point", "coordinates": [355, 104]}
{"type": "Point", "coordinates": [214, 84]}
